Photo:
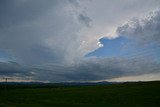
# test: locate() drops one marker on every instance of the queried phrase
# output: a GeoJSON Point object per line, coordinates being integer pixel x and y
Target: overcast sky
{"type": "Point", "coordinates": [79, 40]}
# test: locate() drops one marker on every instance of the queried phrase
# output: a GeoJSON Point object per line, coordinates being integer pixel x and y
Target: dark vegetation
{"type": "Point", "coordinates": [138, 94]}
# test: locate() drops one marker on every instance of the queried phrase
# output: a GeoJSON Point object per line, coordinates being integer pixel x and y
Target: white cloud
{"type": "Point", "coordinates": [145, 30]}
{"type": "Point", "coordinates": [99, 44]}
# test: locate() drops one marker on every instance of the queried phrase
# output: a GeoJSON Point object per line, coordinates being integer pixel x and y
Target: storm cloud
{"type": "Point", "coordinates": [48, 40]}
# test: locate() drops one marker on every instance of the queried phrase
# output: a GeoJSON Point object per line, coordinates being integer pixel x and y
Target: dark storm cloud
{"type": "Point", "coordinates": [145, 31]}
{"type": "Point", "coordinates": [94, 69]}
{"type": "Point", "coordinates": [91, 69]}
{"type": "Point", "coordinates": [11, 69]}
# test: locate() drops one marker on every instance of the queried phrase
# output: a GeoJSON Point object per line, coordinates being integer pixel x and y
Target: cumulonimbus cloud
{"type": "Point", "coordinates": [63, 32]}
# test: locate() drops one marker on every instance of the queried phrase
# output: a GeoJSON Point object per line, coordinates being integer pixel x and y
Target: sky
{"type": "Point", "coordinates": [79, 40]}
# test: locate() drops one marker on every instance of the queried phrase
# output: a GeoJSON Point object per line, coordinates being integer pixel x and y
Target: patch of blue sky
{"type": "Point", "coordinates": [125, 47]}
{"type": "Point", "coordinates": [111, 48]}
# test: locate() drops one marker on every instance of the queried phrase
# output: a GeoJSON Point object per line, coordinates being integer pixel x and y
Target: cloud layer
{"type": "Point", "coordinates": [92, 69]}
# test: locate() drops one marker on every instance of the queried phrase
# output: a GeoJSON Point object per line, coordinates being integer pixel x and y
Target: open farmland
{"type": "Point", "coordinates": [140, 94]}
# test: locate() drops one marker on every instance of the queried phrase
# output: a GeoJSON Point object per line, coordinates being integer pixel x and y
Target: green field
{"type": "Point", "coordinates": [140, 94]}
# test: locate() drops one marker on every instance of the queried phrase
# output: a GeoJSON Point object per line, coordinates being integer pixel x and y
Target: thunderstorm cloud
{"type": "Point", "coordinates": [48, 40]}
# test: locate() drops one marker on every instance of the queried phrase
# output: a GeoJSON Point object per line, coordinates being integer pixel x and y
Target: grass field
{"type": "Point", "coordinates": [140, 94]}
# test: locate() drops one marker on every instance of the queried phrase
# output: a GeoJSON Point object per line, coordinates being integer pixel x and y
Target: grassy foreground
{"type": "Point", "coordinates": [142, 94]}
